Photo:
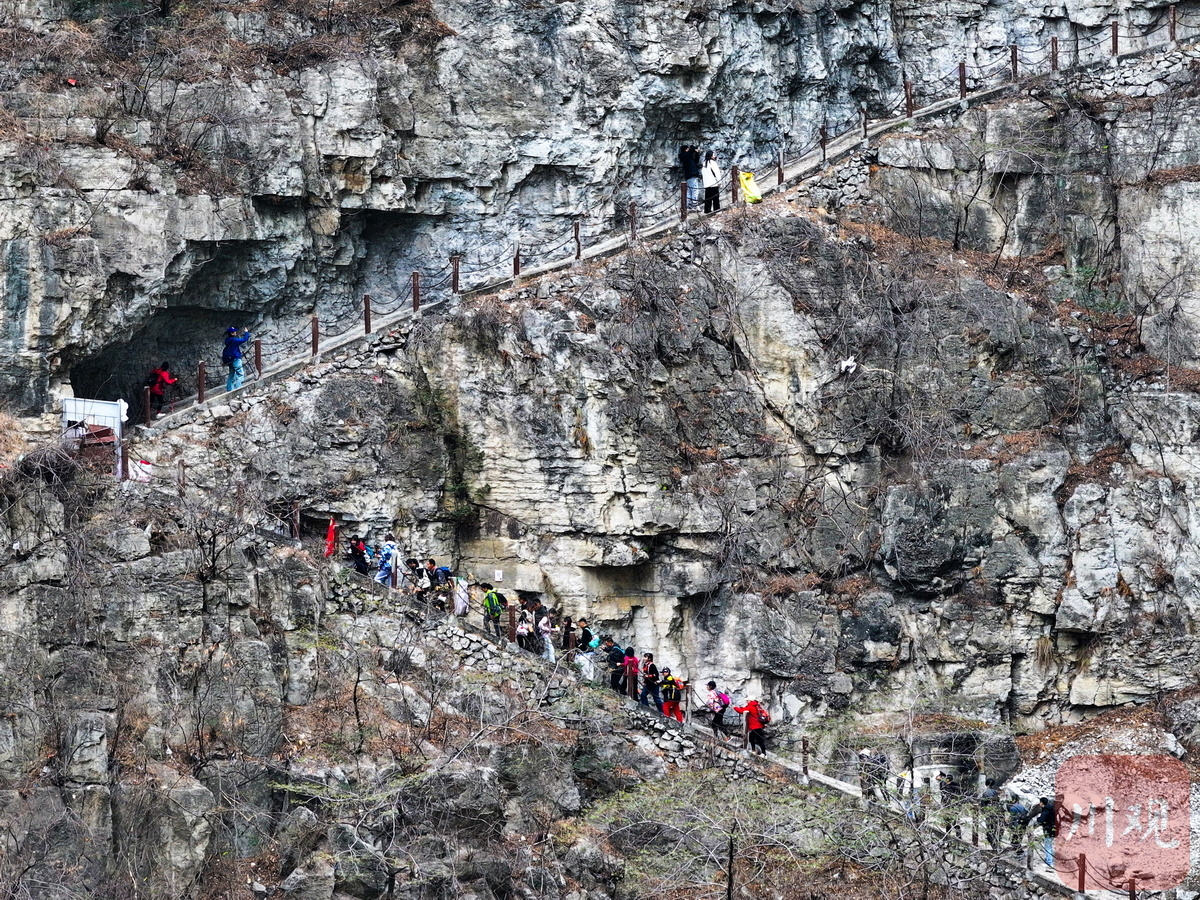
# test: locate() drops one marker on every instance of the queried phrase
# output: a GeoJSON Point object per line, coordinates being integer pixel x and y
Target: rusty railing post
{"type": "Point", "coordinates": [455, 259]}
{"type": "Point", "coordinates": [779, 167]}
{"type": "Point", "coordinates": [683, 198]}
{"type": "Point", "coordinates": [733, 185]}
{"type": "Point", "coordinates": [517, 260]}
{"type": "Point", "coordinates": [181, 479]}
{"type": "Point", "coordinates": [1012, 58]}
{"type": "Point", "coordinates": [1114, 39]}
{"type": "Point", "coordinates": [366, 313]}
{"type": "Point", "coordinates": [1171, 27]}
{"type": "Point", "coordinates": [1054, 53]}
{"type": "Point", "coordinates": [257, 359]}
{"type": "Point", "coordinates": [864, 120]}
{"type": "Point", "coordinates": [633, 213]}
{"type": "Point", "coordinates": [201, 374]}
{"type": "Point", "coordinates": [962, 80]}
{"type": "Point", "coordinates": [296, 520]}
{"type": "Point", "coordinates": [1082, 870]}
{"type": "Point", "coordinates": [1132, 889]}
{"type": "Point", "coordinates": [512, 625]}
{"type": "Point", "coordinates": [416, 290]}
{"type": "Point", "coordinates": [147, 415]}
{"type": "Point", "coordinates": [123, 475]}
{"type": "Point", "coordinates": [578, 240]}
{"type": "Point", "coordinates": [394, 574]}
{"type": "Point", "coordinates": [804, 755]}
{"type": "Point", "coordinates": [316, 335]}
{"type": "Point", "coordinates": [908, 99]}
{"type": "Point", "coordinates": [824, 138]}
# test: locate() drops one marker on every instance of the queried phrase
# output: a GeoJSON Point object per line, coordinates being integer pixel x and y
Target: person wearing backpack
{"type": "Point", "coordinates": [716, 702]}
{"type": "Point", "coordinates": [631, 666]}
{"type": "Point", "coordinates": [672, 695]}
{"type": "Point", "coordinates": [614, 658]}
{"type": "Point", "coordinates": [231, 356]}
{"type": "Point", "coordinates": [756, 717]}
{"type": "Point", "coordinates": [650, 682]}
{"type": "Point", "coordinates": [493, 607]}
{"type": "Point", "coordinates": [439, 582]}
{"type": "Point", "coordinates": [158, 381]}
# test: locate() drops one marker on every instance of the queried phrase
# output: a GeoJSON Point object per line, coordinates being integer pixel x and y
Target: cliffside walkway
{"type": "Point", "coordinates": [278, 356]}
{"type": "Point", "coordinates": [960, 835]}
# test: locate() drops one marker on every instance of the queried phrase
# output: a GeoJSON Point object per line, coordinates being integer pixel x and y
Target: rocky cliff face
{"type": "Point", "coordinates": [814, 465]}
{"type": "Point", "coordinates": [920, 455]}
{"type": "Point", "coordinates": [312, 155]}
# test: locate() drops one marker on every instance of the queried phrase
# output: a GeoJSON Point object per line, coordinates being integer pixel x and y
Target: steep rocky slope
{"type": "Point", "coordinates": [906, 449]}
{"type": "Point", "coordinates": [812, 462]}
{"type": "Point", "coordinates": [193, 708]}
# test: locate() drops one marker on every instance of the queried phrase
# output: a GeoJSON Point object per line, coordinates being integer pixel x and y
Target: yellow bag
{"type": "Point", "coordinates": [749, 188]}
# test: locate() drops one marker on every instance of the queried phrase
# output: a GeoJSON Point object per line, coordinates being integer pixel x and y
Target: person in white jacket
{"type": "Point", "coordinates": [711, 173]}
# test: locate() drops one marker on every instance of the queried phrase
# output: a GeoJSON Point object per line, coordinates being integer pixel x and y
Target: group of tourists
{"type": "Point", "coordinates": [954, 791]}
{"type": "Point", "coordinates": [701, 173]}
{"type": "Point", "coordinates": [424, 578]}
{"type": "Point", "coordinates": [544, 631]}
{"type": "Point", "coordinates": [641, 677]}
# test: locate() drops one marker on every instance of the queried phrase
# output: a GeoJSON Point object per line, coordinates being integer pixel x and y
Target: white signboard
{"type": "Point", "coordinates": [108, 413]}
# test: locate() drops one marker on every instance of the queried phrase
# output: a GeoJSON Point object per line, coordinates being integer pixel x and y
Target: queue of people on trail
{"type": "Point", "coordinates": [661, 689]}
{"type": "Point", "coordinates": [424, 578]}
{"type": "Point", "coordinates": [998, 811]}
{"type": "Point", "coordinates": [543, 631]}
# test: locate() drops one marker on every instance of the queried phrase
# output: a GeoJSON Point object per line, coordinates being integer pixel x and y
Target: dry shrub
{"type": "Point", "coordinates": [1097, 471]}
{"type": "Point", "coordinates": [63, 236]}
{"type": "Point", "coordinates": [1174, 176]}
{"type": "Point", "coordinates": [1009, 447]}
{"type": "Point", "coordinates": [10, 127]}
{"type": "Point", "coordinates": [784, 585]}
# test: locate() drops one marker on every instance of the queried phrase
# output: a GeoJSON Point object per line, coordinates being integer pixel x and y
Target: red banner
{"type": "Point", "coordinates": [331, 539]}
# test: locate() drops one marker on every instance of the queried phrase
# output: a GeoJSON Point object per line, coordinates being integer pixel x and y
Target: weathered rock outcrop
{"type": "Point", "coordinates": [837, 476]}
{"type": "Point", "coordinates": [306, 160]}
{"type": "Point", "coordinates": [928, 454]}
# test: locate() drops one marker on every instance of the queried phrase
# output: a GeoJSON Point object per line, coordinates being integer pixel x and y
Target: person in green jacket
{"type": "Point", "coordinates": [493, 607]}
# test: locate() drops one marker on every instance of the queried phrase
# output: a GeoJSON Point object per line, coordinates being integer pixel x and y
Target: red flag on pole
{"type": "Point", "coordinates": [331, 538]}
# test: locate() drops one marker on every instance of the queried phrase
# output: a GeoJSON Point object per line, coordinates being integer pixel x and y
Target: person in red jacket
{"type": "Point", "coordinates": [632, 667]}
{"type": "Point", "coordinates": [756, 718]}
{"type": "Point", "coordinates": [160, 379]}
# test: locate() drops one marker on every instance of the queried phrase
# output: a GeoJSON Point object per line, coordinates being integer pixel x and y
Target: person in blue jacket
{"type": "Point", "coordinates": [232, 357]}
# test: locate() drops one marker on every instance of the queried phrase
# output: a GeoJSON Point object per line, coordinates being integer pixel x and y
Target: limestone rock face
{"type": "Point", "coordinates": [671, 446]}
{"type": "Point", "coordinates": [140, 223]}
{"type": "Point", "coordinates": [822, 459]}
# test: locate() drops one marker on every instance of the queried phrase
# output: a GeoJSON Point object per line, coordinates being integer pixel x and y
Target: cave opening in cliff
{"type": "Point", "coordinates": [181, 336]}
